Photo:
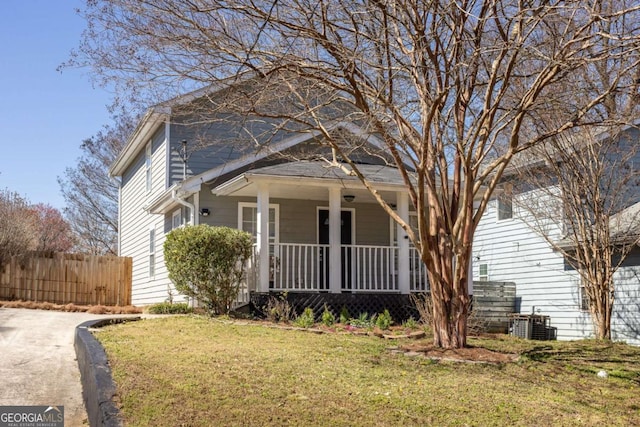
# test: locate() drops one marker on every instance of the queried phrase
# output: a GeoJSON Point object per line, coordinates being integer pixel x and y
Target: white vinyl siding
{"type": "Point", "coordinates": [148, 158]}
{"type": "Point", "coordinates": [152, 253]}
{"type": "Point", "coordinates": [514, 253]}
{"type": "Point", "coordinates": [136, 223]}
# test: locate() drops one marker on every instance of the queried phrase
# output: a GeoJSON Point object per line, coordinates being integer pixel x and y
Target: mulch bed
{"type": "Point", "coordinates": [467, 354]}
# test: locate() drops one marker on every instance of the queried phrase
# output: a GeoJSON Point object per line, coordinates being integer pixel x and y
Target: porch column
{"type": "Point", "coordinates": [335, 253]}
{"type": "Point", "coordinates": [262, 237]}
{"type": "Point", "coordinates": [402, 201]}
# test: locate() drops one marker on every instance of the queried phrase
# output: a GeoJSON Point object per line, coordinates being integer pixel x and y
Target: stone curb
{"type": "Point", "coordinates": [98, 387]}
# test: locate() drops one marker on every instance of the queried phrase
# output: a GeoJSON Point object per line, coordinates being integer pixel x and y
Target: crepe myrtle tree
{"type": "Point", "coordinates": [446, 87]}
{"type": "Point", "coordinates": [208, 263]}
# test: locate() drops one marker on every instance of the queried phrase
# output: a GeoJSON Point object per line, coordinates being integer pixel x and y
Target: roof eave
{"type": "Point", "coordinates": [147, 125]}
{"type": "Point", "coordinates": [241, 181]}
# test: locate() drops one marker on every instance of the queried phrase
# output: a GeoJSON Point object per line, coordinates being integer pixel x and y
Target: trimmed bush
{"type": "Point", "coordinates": [208, 263]}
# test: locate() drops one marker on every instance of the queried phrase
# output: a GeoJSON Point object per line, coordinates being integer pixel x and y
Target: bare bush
{"type": "Point", "coordinates": [278, 309]}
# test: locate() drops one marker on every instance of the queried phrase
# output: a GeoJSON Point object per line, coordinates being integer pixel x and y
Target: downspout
{"type": "Point", "coordinates": [183, 202]}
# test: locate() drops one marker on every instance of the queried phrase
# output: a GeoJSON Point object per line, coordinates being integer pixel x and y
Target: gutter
{"type": "Point", "coordinates": [183, 202]}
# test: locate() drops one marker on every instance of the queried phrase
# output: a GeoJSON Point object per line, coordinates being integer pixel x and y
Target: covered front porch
{"type": "Point", "coordinates": [343, 248]}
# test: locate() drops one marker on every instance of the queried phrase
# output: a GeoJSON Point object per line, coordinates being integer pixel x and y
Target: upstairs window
{"type": "Point", "coordinates": [152, 253]}
{"type": "Point", "coordinates": [505, 207]}
{"type": "Point", "coordinates": [147, 165]}
{"type": "Point", "coordinates": [584, 297]}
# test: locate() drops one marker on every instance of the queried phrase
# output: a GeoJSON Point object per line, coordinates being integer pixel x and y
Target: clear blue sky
{"type": "Point", "coordinates": [44, 114]}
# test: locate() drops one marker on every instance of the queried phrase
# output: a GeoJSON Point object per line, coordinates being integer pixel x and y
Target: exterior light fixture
{"type": "Point", "coordinates": [349, 198]}
{"type": "Point", "coordinates": [204, 212]}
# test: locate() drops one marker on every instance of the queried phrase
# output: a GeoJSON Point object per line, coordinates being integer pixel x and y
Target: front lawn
{"type": "Point", "coordinates": [196, 371]}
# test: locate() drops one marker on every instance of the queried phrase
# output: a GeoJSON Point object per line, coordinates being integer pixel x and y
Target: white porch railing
{"type": "Point", "coordinates": [305, 267]}
{"type": "Point", "coordinates": [369, 268]}
{"type": "Point", "coordinates": [299, 267]}
{"type": "Point", "coordinates": [417, 272]}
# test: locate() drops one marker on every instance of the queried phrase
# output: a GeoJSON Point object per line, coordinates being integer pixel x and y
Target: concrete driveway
{"type": "Point", "coordinates": [38, 362]}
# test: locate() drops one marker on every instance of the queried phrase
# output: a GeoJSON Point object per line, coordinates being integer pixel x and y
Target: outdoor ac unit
{"type": "Point", "coordinates": [531, 327]}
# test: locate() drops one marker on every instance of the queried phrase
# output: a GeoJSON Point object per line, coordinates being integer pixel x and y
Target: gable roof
{"type": "Point", "coordinates": [315, 173]}
{"type": "Point", "coordinates": [538, 155]}
{"type": "Point", "coordinates": [158, 114]}
{"type": "Point", "coordinates": [193, 184]}
{"type": "Point", "coordinates": [150, 122]}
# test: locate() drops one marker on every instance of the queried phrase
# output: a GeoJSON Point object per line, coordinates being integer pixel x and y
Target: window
{"type": "Point", "coordinates": [584, 298]}
{"type": "Point", "coordinates": [505, 207]}
{"type": "Point", "coordinates": [483, 272]}
{"type": "Point", "coordinates": [176, 219]}
{"type": "Point", "coordinates": [248, 220]}
{"type": "Point", "coordinates": [152, 253]}
{"type": "Point", "coordinates": [147, 165]}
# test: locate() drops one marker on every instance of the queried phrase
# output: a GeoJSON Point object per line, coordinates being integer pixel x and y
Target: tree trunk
{"type": "Point", "coordinates": [602, 321]}
{"type": "Point", "coordinates": [450, 314]}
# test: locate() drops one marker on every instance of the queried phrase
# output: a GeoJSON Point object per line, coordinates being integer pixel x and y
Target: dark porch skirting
{"type": "Point", "coordinates": [400, 306]}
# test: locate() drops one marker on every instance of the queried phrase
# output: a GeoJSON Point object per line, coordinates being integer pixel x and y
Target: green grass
{"type": "Point", "coordinates": [197, 371]}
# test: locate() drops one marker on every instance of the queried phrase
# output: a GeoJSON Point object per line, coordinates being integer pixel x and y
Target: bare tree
{"type": "Point", "coordinates": [91, 195]}
{"type": "Point", "coordinates": [52, 232]}
{"type": "Point", "coordinates": [585, 197]}
{"type": "Point", "coordinates": [447, 87]}
{"type": "Point", "coordinates": [17, 226]}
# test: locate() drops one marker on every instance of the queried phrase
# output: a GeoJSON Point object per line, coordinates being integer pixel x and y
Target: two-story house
{"type": "Point", "coordinates": [507, 247]}
{"type": "Point", "coordinates": [317, 230]}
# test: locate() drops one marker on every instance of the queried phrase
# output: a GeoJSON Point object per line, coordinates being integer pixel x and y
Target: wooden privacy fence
{"type": "Point", "coordinates": [63, 278]}
{"type": "Point", "coordinates": [493, 302]}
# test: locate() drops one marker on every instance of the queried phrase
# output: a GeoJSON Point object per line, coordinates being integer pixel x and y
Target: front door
{"type": "Point", "coordinates": [346, 229]}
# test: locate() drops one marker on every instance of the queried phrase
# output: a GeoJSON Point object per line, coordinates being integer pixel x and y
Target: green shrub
{"type": "Point", "coordinates": [306, 319]}
{"type": "Point", "coordinates": [208, 263]}
{"type": "Point", "coordinates": [384, 320]}
{"type": "Point", "coordinates": [410, 323]}
{"type": "Point", "coordinates": [363, 321]}
{"type": "Point", "coordinates": [328, 319]}
{"type": "Point", "coordinates": [169, 308]}
{"type": "Point", "coordinates": [344, 315]}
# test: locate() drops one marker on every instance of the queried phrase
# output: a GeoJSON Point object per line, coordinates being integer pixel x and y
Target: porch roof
{"type": "Point", "coordinates": [314, 174]}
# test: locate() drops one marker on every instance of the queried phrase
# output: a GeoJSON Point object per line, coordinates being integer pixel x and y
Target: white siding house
{"type": "Point", "coordinates": [506, 248]}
